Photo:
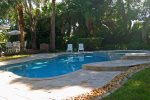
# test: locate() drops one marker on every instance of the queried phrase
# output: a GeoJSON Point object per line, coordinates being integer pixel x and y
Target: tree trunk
{"type": "Point", "coordinates": [144, 31]}
{"type": "Point", "coordinates": [33, 37]}
{"type": "Point", "coordinates": [21, 26]}
{"type": "Point", "coordinates": [69, 29]}
{"type": "Point", "coordinates": [52, 35]}
{"type": "Point", "coordinates": [89, 25]}
{"type": "Point", "coordinates": [32, 27]}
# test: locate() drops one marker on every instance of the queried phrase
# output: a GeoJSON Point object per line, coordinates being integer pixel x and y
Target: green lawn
{"type": "Point", "coordinates": [13, 57]}
{"type": "Point", "coordinates": [137, 88]}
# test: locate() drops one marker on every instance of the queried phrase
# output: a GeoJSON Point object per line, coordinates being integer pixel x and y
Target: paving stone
{"type": "Point", "coordinates": [72, 84]}
{"type": "Point", "coordinates": [115, 65]}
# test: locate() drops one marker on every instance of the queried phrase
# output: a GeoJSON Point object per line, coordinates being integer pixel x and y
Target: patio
{"type": "Point", "coordinates": [73, 84]}
{"type": "Point", "coordinates": [61, 87]}
{"type": "Point", "coordinates": [56, 88]}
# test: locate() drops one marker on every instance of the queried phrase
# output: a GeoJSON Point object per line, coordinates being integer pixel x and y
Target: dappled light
{"type": "Point", "coordinates": [116, 24]}
{"type": "Point", "coordinates": [68, 85]}
{"type": "Point", "coordinates": [3, 63]}
{"type": "Point", "coordinates": [69, 91]}
{"type": "Point", "coordinates": [137, 87]}
{"type": "Point", "coordinates": [33, 32]}
{"type": "Point", "coordinates": [136, 84]}
{"type": "Point", "coordinates": [63, 86]}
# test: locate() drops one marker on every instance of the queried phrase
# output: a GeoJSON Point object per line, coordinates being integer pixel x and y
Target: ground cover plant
{"type": "Point", "coordinates": [5, 58]}
{"type": "Point", "coordinates": [136, 88]}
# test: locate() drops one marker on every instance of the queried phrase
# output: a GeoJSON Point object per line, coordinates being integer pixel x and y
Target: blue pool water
{"type": "Point", "coordinates": [58, 65]}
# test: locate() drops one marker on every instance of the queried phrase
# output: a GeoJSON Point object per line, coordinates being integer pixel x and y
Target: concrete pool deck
{"type": "Point", "coordinates": [13, 87]}
{"type": "Point", "coordinates": [17, 88]}
{"type": "Point", "coordinates": [115, 65]}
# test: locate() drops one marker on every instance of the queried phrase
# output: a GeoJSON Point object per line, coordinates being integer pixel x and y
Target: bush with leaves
{"type": "Point", "coordinates": [3, 36]}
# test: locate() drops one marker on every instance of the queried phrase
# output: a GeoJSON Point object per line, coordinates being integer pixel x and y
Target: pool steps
{"type": "Point", "coordinates": [136, 56]}
{"type": "Point", "coordinates": [116, 65]}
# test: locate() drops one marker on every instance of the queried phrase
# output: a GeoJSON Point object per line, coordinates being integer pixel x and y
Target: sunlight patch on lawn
{"type": "Point", "coordinates": [13, 57]}
{"type": "Point", "coordinates": [137, 83]}
{"type": "Point", "coordinates": [136, 88]}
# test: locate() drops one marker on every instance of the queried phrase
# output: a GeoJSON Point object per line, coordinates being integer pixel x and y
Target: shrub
{"type": "Point", "coordinates": [3, 36]}
{"type": "Point", "coordinates": [73, 40]}
{"type": "Point", "coordinates": [60, 43]}
{"type": "Point", "coordinates": [91, 43]}
{"type": "Point", "coordinates": [138, 45]}
{"type": "Point", "coordinates": [115, 47]}
{"type": "Point", "coordinates": [43, 38]}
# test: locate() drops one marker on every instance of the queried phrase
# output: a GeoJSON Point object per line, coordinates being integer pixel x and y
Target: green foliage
{"type": "Point", "coordinates": [91, 44]}
{"type": "Point", "coordinates": [13, 57]}
{"type": "Point", "coordinates": [73, 40]}
{"type": "Point", "coordinates": [138, 46]}
{"type": "Point", "coordinates": [43, 29]}
{"type": "Point", "coordinates": [61, 43]}
{"type": "Point", "coordinates": [110, 20]}
{"type": "Point", "coordinates": [118, 40]}
{"type": "Point", "coordinates": [3, 36]}
{"type": "Point", "coordinates": [137, 88]}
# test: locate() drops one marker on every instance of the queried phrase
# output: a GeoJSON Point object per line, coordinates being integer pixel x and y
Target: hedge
{"type": "Point", "coordinates": [91, 44]}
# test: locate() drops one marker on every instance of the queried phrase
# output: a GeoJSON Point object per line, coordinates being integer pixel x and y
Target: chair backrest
{"type": "Point", "coordinates": [17, 41]}
{"type": "Point", "coordinates": [81, 46]}
{"type": "Point", "coordinates": [25, 44]}
{"type": "Point", "coordinates": [18, 44]}
{"type": "Point", "coordinates": [70, 47]}
{"type": "Point", "coordinates": [8, 44]}
{"type": "Point", "coordinates": [14, 44]}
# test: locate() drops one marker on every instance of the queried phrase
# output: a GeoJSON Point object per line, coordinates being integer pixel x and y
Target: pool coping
{"type": "Point", "coordinates": [114, 65]}
{"type": "Point", "coordinates": [34, 79]}
{"type": "Point", "coordinates": [112, 86]}
{"type": "Point", "coordinates": [52, 55]}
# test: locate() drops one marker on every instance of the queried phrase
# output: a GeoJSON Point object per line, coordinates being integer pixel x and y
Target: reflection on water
{"type": "Point", "coordinates": [75, 58]}
{"type": "Point", "coordinates": [81, 57]}
{"type": "Point", "coordinates": [59, 65]}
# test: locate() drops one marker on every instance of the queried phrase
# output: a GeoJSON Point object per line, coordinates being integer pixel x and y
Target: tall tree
{"type": "Point", "coordinates": [16, 5]}
{"type": "Point", "coordinates": [21, 25]}
{"type": "Point", "coordinates": [32, 9]}
{"type": "Point", "coordinates": [52, 35]}
{"type": "Point", "coordinates": [146, 19]}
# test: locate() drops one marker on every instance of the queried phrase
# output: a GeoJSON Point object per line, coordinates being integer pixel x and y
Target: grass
{"type": "Point", "coordinates": [137, 88]}
{"type": "Point", "coordinates": [13, 57]}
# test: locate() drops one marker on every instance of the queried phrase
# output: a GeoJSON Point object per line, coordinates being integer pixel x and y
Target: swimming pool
{"type": "Point", "coordinates": [59, 65]}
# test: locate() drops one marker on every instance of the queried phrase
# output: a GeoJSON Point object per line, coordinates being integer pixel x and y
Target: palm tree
{"type": "Point", "coordinates": [32, 8]}
{"type": "Point", "coordinates": [33, 17]}
{"type": "Point", "coordinates": [21, 26]}
{"type": "Point", "coordinates": [52, 35]}
{"type": "Point", "coordinates": [17, 5]}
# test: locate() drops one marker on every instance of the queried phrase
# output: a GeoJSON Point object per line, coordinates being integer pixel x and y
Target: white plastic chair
{"type": "Point", "coordinates": [69, 48]}
{"type": "Point", "coordinates": [16, 46]}
{"type": "Point", "coordinates": [25, 45]}
{"type": "Point", "coordinates": [80, 47]}
{"type": "Point", "coordinates": [9, 46]}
